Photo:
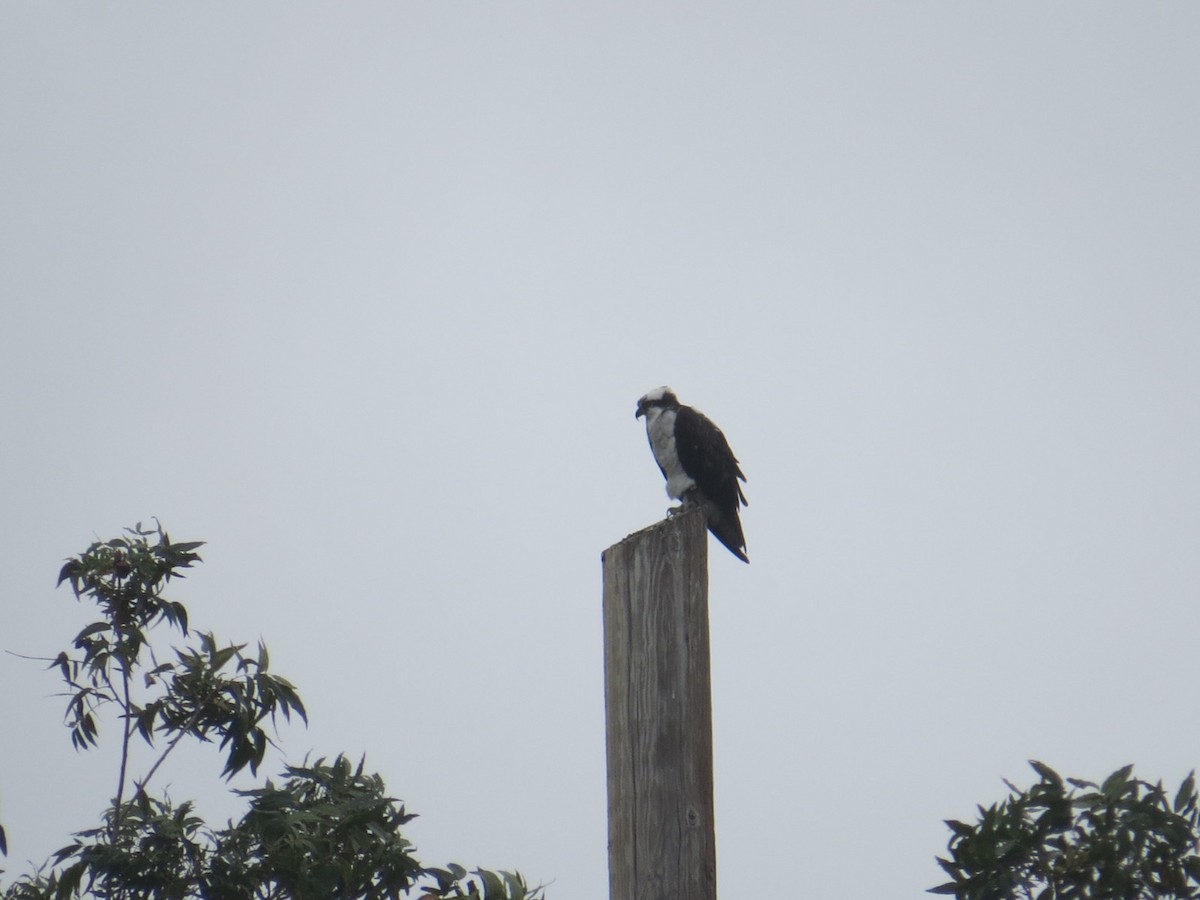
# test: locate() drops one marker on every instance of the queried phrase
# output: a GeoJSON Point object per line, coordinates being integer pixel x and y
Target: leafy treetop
{"type": "Point", "coordinates": [1070, 839]}
{"type": "Point", "coordinates": [326, 830]}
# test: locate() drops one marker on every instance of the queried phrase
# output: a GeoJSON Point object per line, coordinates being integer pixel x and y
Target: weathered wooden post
{"type": "Point", "coordinates": [661, 838]}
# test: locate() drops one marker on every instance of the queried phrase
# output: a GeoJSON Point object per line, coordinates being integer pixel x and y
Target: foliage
{"type": "Point", "coordinates": [327, 829]}
{"type": "Point", "coordinates": [1122, 839]}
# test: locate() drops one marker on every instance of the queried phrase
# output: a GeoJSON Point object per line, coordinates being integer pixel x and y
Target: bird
{"type": "Point", "coordinates": [697, 463]}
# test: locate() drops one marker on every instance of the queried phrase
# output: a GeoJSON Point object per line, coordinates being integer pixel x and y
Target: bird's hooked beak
{"type": "Point", "coordinates": [641, 410]}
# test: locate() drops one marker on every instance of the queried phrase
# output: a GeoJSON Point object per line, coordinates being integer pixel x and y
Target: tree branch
{"type": "Point", "coordinates": [183, 732]}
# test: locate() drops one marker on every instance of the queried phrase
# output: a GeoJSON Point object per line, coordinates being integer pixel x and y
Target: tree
{"type": "Point", "coordinates": [327, 829]}
{"type": "Point", "coordinates": [1122, 839]}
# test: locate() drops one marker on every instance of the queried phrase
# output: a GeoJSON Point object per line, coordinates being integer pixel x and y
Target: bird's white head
{"type": "Point", "coordinates": [659, 398]}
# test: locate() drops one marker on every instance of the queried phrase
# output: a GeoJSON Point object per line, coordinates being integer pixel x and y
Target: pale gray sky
{"type": "Point", "coordinates": [365, 295]}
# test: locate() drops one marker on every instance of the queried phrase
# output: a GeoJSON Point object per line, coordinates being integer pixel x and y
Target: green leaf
{"type": "Point", "coordinates": [1191, 865]}
{"type": "Point", "coordinates": [1046, 773]}
{"type": "Point", "coordinates": [1115, 783]}
{"type": "Point", "coordinates": [948, 888]}
{"type": "Point", "coordinates": [219, 659]}
{"type": "Point", "coordinates": [63, 662]}
{"type": "Point", "coordinates": [1186, 797]}
{"type": "Point", "coordinates": [492, 885]}
{"type": "Point", "coordinates": [69, 570]}
{"type": "Point", "coordinates": [951, 869]}
{"type": "Point", "coordinates": [94, 628]}
{"type": "Point", "coordinates": [960, 828]}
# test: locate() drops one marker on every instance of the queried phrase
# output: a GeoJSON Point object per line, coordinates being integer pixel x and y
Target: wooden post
{"type": "Point", "coordinates": [658, 700]}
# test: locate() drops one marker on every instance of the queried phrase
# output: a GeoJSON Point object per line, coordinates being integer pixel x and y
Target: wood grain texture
{"type": "Point", "coordinates": [658, 702]}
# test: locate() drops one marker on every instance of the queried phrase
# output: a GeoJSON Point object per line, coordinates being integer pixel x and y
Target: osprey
{"type": "Point", "coordinates": [696, 461]}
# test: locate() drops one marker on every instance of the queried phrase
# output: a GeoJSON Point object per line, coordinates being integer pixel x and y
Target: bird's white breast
{"type": "Point", "coordinates": [660, 429]}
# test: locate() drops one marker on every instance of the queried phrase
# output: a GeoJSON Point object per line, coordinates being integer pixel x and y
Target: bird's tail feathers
{"type": "Point", "coordinates": [728, 530]}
